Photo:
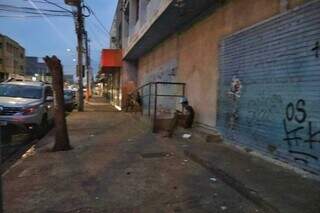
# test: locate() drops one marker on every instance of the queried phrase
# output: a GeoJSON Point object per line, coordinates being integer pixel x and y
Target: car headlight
{"type": "Point", "coordinates": [30, 110]}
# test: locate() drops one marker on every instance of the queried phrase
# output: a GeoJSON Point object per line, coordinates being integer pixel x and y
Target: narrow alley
{"type": "Point", "coordinates": [118, 165]}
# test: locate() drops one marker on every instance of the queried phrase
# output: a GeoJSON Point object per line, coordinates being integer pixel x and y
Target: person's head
{"type": "Point", "coordinates": [184, 102]}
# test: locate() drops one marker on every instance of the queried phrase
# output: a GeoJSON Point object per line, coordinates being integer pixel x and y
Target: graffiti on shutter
{"type": "Point", "coordinates": [269, 92]}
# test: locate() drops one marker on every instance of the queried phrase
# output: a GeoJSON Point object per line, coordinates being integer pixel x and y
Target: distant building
{"type": "Point", "coordinates": [68, 78]}
{"type": "Point", "coordinates": [12, 58]}
{"type": "Point", "coordinates": [37, 70]}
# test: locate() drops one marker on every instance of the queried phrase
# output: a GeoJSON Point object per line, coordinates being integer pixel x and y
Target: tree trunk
{"type": "Point", "coordinates": [61, 132]}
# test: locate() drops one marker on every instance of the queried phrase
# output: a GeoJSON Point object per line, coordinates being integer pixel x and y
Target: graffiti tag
{"type": "Point", "coordinates": [299, 131]}
{"type": "Point", "coordinates": [316, 49]}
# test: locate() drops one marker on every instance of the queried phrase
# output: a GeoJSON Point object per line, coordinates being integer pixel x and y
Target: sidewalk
{"type": "Point", "coordinates": [273, 187]}
{"type": "Point", "coordinates": [118, 165]}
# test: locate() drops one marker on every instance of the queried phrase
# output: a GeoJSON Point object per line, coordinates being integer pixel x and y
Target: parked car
{"type": "Point", "coordinates": [26, 105]}
{"type": "Point", "coordinates": [69, 100]}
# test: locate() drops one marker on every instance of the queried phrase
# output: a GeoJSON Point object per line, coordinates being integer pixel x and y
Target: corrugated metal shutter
{"type": "Point", "coordinates": [269, 97]}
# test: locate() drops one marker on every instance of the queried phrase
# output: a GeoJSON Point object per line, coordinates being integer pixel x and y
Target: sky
{"type": "Point", "coordinates": [43, 36]}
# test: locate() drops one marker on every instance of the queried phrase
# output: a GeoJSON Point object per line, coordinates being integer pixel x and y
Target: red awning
{"type": "Point", "coordinates": [111, 58]}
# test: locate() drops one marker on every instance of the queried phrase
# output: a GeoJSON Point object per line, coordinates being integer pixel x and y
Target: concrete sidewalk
{"type": "Point", "coordinates": [272, 185]}
{"type": "Point", "coordinates": [118, 165]}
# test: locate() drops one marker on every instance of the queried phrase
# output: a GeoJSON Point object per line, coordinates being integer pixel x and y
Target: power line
{"type": "Point", "coordinates": [97, 19]}
{"type": "Point", "coordinates": [29, 16]}
{"type": "Point", "coordinates": [35, 13]}
{"type": "Point", "coordinates": [55, 4]}
{"type": "Point", "coordinates": [51, 3]}
{"type": "Point", "coordinates": [29, 8]}
{"type": "Point", "coordinates": [61, 35]}
{"type": "Point", "coordinates": [92, 30]}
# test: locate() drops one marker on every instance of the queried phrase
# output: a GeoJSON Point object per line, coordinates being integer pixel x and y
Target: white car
{"type": "Point", "coordinates": [26, 105]}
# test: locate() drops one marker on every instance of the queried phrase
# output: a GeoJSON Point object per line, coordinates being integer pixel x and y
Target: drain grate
{"type": "Point", "coordinates": [155, 155]}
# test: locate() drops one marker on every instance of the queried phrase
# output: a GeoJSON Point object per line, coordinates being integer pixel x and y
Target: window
{"type": "Point", "coordinates": [9, 48]}
{"type": "Point", "coordinates": [0, 60]}
{"type": "Point", "coordinates": [21, 55]}
{"type": "Point", "coordinates": [32, 92]}
{"type": "Point", "coordinates": [0, 45]}
{"type": "Point", "coordinates": [21, 67]}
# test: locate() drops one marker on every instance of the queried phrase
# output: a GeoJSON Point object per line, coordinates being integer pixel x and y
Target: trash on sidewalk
{"type": "Point", "coordinates": [184, 162]}
{"type": "Point", "coordinates": [213, 179]}
{"type": "Point", "coordinates": [223, 208]}
{"type": "Point", "coordinates": [29, 152]}
{"type": "Point", "coordinates": [186, 136]}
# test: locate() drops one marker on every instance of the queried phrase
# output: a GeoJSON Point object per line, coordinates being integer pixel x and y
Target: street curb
{"type": "Point", "coordinates": [16, 155]}
{"type": "Point", "coordinates": [233, 183]}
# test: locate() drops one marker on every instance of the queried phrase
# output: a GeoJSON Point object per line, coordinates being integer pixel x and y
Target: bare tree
{"type": "Point", "coordinates": [61, 132]}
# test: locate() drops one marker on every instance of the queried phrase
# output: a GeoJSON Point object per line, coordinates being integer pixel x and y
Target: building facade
{"type": "Point", "coordinates": [250, 67]}
{"type": "Point", "coordinates": [68, 78]}
{"type": "Point", "coordinates": [37, 70]}
{"type": "Point", "coordinates": [12, 58]}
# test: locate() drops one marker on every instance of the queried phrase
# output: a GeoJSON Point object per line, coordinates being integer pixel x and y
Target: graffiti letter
{"type": "Point", "coordinates": [312, 136]}
{"type": "Point", "coordinates": [300, 108]}
{"type": "Point", "coordinates": [290, 111]}
{"type": "Point", "coordinates": [291, 135]}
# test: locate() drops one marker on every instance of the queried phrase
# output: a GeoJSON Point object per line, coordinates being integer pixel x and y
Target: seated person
{"type": "Point", "coordinates": [185, 118]}
{"type": "Point", "coordinates": [133, 102]}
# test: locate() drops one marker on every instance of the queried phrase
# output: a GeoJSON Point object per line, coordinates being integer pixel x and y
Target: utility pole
{"type": "Point", "coordinates": [88, 66]}
{"type": "Point", "coordinates": [2, 124]}
{"type": "Point", "coordinates": [80, 32]}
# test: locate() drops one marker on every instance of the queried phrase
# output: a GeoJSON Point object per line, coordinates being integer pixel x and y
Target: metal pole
{"type": "Point", "coordinates": [112, 88]}
{"type": "Point", "coordinates": [155, 108]}
{"type": "Point", "coordinates": [1, 194]}
{"type": "Point", "coordinates": [184, 94]}
{"type": "Point", "coordinates": [141, 100]}
{"type": "Point", "coordinates": [183, 90]}
{"type": "Point", "coordinates": [80, 31]}
{"type": "Point", "coordinates": [149, 104]}
{"type": "Point", "coordinates": [87, 66]}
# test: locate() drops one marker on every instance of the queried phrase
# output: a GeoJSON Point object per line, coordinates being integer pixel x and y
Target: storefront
{"type": "Point", "coordinates": [111, 63]}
